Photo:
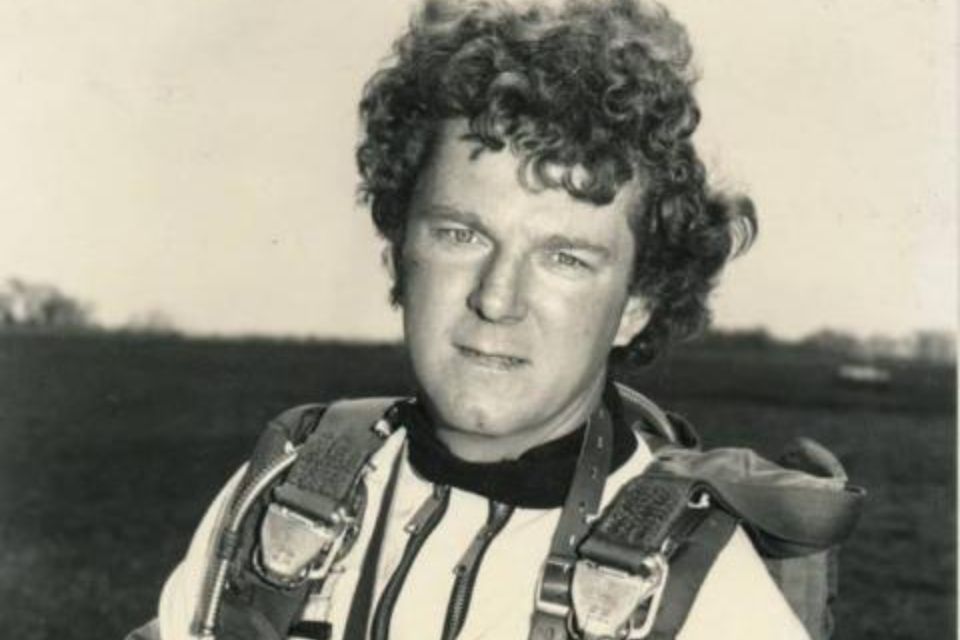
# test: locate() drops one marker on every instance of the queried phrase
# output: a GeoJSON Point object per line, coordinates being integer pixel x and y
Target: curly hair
{"type": "Point", "coordinates": [602, 89]}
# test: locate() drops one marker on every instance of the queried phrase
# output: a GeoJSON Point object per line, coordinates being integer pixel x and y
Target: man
{"type": "Point", "coordinates": [532, 170]}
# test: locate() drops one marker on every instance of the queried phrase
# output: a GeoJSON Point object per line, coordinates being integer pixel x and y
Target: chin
{"type": "Point", "coordinates": [474, 415]}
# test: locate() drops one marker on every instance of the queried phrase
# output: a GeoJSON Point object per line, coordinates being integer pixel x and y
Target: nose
{"type": "Point", "coordinates": [498, 295]}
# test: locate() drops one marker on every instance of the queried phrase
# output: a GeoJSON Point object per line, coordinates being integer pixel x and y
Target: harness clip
{"type": "Point", "coordinates": [605, 599]}
{"type": "Point", "coordinates": [294, 548]}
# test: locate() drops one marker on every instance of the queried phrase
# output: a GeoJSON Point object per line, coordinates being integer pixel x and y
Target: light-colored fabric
{"type": "Point", "coordinates": [813, 582]}
{"type": "Point", "coordinates": [738, 601]}
{"type": "Point", "coordinates": [182, 592]}
{"type": "Point", "coordinates": [149, 631]}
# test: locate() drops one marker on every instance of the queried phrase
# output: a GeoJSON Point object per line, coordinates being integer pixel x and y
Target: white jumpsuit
{"type": "Point", "coordinates": [737, 601]}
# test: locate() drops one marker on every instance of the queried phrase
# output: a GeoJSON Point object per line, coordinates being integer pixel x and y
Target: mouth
{"type": "Point", "coordinates": [496, 361]}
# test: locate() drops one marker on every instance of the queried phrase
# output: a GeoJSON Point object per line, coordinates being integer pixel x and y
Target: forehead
{"type": "Point", "coordinates": [462, 175]}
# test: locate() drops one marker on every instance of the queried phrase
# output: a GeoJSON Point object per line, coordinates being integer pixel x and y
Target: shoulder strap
{"type": "Point", "coordinates": [688, 570]}
{"type": "Point", "coordinates": [552, 600]}
{"type": "Point", "coordinates": [332, 445]}
{"type": "Point", "coordinates": [562, 581]}
{"type": "Point", "coordinates": [332, 459]}
{"type": "Point", "coordinates": [659, 536]}
{"type": "Point", "coordinates": [801, 507]}
{"type": "Point", "coordinates": [658, 428]}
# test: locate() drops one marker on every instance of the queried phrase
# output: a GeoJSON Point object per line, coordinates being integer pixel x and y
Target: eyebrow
{"type": "Point", "coordinates": [559, 242]}
{"type": "Point", "coordinates": [553, 242]}
{"type": "Point", "coordinates": [447, 212]}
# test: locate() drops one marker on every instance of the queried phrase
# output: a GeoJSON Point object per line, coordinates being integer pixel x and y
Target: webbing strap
{"type": "Point", "coordinates": [420, 526]}
{"type": "Point", "coordinates": [252, 608]}
{"type": "Point", "coordinates": [311, 629]}
{"type": "Point", "coordinates": [260, 611]}
{"type": "Point", "coordinates": [660, 516]}
{"type": "Point", "coordinates": [652, 414]}
{"type": "Point", "coordinates": [359, 616]}
{"type": "Point", "coordinates": [582, 503]}
{"type": "Point", "coordinates": [330, 462]}
{"type": "Point", "coordinates": [645, 514]}
{"type": "Point", "coordinates": [688, 569]}
{"type": "Point", "coordinates": [586, 489]}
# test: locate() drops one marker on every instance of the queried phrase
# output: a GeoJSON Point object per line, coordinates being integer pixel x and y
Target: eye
{"type": "Point", "coordinates": [568, 260]}
{"type": "Point", "coordinates": [456, 235]}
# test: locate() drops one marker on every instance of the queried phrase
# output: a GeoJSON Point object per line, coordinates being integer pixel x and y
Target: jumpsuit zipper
{"type": "Point", "coordinates": [424, 521]}
{"type": "Point", "coordinates": [467, 569]}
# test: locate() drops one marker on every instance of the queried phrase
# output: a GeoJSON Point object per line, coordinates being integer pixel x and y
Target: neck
{"type": "Point", "coordinates": [474, 447]}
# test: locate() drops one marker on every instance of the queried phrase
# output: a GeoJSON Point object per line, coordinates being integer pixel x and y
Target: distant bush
{"type": "Point", "coordinates": [41, 306]}
{"type": "Point", "coordinates": [836, 342]}
{"type": "Point", "coordinates": [154, 323]}
{"type": "Point", "coordinates": [754, 338]}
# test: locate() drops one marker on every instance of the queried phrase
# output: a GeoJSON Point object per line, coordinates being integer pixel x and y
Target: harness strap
{"type": "Point", "coordinates": [586, 489]}
{"type": "Point", "coordinates": [552, 612]}
{"type": "Point", "coordinates": [312, 630]}
{"type": "Point", "coordinates": [420, 526]}
{"type": "Point", "coordinates": [687, 505]}
{"type": "Point", "coordinates": [552, 607]}
{"type": "Point", "coordinates": [647, 514]}
{"type": "Point", "coordinates": [626, 563]}
{"type": "Point", "coordinates": [359, 617]}
{"type": "Point", "coordinates": [650, 412]}
{"type": "Point", "coordinates": [688, 571]}
{"type": "Point", "coordinates": [332, 460]}
{"type": "Point", "coordinates": [253, 607]}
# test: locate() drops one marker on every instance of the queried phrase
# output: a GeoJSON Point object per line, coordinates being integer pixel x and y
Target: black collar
{"type": "Point", "coordinates": [538, 479]}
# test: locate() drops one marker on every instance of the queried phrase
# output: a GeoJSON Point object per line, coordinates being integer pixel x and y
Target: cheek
{"type": "Point", "coordinates": [429, 282]}
{"type": "Point", "coordinates": [586, 321]}
{"type": "Point", "coordinates": [434, 295]}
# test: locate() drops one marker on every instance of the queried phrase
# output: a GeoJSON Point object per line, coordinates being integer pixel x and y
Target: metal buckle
{"type": "Point", "coordinates": [605, 599]}
{"type": "Point", "coordinates": [700, 500]}
{"type": "Point", "coordinates": [553, 588]}
{"type": "Point", "coordinates": [294, 548]}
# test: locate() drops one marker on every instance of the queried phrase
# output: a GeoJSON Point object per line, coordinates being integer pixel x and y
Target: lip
{"type": "Point", "coordinates": [490, 359]}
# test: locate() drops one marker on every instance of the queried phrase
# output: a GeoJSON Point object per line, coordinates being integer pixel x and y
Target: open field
{"type": "Point", "coordinates": [110, 448]}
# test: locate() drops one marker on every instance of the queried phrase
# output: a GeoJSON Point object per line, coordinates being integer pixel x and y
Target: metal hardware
{"type": "Point", "coordinates": [217, 576]}
{"type": "Point", "coordinates": [553, 587]}
{"type": "Point", "coordinates": [605, 599]}
{"type": "Point", "coordinates": [294, 548]}
{"type": "Point", "coordinates": [383, 428]}
{"type": "Point", "coordinates": [699, 500]}
{"type": "Point", "coordinates": [638, 632]}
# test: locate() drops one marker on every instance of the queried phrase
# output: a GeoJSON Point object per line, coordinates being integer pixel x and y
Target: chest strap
{"type": "Point", "coordinates": [552, 606]}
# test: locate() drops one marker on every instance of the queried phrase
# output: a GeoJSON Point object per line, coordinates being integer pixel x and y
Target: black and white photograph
{"type": "Point", "coordinates": [479, 319]}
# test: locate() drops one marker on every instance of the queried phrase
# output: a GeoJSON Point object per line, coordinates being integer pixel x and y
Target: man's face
{"type": "Point", "coordinates": [512, 298]}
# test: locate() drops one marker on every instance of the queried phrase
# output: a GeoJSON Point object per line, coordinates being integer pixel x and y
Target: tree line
{"type": "Point", "coordinates": [34, 306]}
{"type": "Point", "coordinates": [926, 345]}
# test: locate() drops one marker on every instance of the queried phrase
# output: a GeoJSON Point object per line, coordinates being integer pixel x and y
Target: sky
{"type": "Point", "coordinates": [197, 158]}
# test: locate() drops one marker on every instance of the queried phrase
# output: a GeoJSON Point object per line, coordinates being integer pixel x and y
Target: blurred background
{"type": "Point", "coordinates": [182, 256]}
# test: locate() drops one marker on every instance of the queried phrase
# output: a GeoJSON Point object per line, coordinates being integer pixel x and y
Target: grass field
{"type": "Point", "coordinates": [110, 448]}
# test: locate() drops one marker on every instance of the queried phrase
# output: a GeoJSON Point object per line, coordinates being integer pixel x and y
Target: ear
{"type": "Point", "coordinates": [633, 319]}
